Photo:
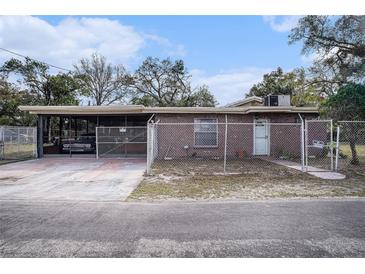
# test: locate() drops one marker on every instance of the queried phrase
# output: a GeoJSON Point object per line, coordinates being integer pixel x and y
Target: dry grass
{"type": "Point", "coordinates": [257, 179]}
{"type": "Point", "coordinates": [360, 149]}
{"type": "Point", "coordinates": [13, 151]}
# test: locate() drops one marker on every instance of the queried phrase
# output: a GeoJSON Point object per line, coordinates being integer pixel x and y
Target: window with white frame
{"type": "Point", "coordinates": [205, 133]}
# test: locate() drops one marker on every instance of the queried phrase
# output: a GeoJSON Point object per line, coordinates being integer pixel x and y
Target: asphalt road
{"type": "Point", "coordinates": [294, 228]}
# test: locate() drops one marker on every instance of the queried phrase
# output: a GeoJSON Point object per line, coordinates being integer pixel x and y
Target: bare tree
{"type": "Point", "coordinates": [102, 82]}
{"type": "Point", "coordinates": [166, 83]}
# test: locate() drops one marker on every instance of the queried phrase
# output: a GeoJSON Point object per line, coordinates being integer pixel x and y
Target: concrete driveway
{"type": "Point", "coordinates": [71, 179]}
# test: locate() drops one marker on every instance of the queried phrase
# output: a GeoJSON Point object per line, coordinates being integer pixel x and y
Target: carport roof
{"type": "Point", "coordinates": [139, 109]}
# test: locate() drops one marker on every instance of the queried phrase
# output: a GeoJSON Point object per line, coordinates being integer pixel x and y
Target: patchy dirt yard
{"type": "Point", "coordinates": [254, 179]}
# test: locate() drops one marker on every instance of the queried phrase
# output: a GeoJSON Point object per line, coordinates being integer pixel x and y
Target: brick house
{"type": "Point", "coordinates": [253, 128]}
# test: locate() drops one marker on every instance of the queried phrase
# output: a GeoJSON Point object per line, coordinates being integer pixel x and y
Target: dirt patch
{"type": "Point", "coordinates": [257, 180]}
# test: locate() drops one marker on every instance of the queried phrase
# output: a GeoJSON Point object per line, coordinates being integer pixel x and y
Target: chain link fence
{"type": "Point", "coordinates": [121, 142]}
{"type": "Point", "coordinates": [18, 143]}
{"type": "Point", "coordinates": [350, 153]}
{"type": "Point", "coordinates": [207, 147]}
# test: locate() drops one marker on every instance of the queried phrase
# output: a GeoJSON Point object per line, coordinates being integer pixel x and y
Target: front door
{"type": "Point", "coordinates": [261, 134]}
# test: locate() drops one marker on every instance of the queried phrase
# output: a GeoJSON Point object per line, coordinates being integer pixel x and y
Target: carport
{"type": "Point", "coordinates": [87, 131]}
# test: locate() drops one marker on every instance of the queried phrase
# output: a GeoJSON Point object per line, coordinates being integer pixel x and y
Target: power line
{"type": "Point", "coordinates": [20, 55]}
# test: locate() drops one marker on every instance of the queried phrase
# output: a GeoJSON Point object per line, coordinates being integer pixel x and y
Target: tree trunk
{"type": "Point", "coordinates": [355, 158]}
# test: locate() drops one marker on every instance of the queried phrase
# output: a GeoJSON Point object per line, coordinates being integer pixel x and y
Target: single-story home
{"type": "Point", "coordinates": [121, 130]}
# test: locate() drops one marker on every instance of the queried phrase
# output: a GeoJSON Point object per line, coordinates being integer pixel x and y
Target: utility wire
{"type": "Point", "coordinates": [20, 55]}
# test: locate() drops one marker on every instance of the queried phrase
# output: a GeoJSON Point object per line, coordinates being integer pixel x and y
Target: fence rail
{"type": "Point", "coordinates": [17, 143]}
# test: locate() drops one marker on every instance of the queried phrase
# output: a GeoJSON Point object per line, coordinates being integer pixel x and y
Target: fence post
{"type": "Point", "coordinates": [225, 146]}
{"type": "Point", "coordinates": [148, 167]}
{"type": "Point", "coordinates": [337, 147]}
{"type": "Point", "coordinates": [302, 145]}
{"type": "Point", "coordinates": [331, 145]}
{"type": "Point", "coordinates": [96, 143]}
{"type": "Point", "coordinates": [306, 144]}
{"type": "Point", "coordinates": [2, 143]}
{"type": "Point", "coordinates": [18, 137]}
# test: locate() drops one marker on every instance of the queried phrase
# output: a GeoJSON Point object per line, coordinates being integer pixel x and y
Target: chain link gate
{"type": "Point", "coordinates": [121, 142]}
{"type": "Point", "coordinates": [319, 148]}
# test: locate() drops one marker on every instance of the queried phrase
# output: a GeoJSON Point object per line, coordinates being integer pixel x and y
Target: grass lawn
{"type": "Point", "coordinates": [257, 179]}
{"type": "Point", "coordinates": [12, 151]}
{"type": "Point", "coordinates": [360, 149]}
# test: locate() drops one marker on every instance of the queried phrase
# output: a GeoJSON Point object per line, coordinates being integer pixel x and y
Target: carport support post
{"type": "Point", "coordinates": [97, 142]}
{"type": "Point", "coordinates": [40, 136]}
{"type": "Point", "coordinates": [225, 146]}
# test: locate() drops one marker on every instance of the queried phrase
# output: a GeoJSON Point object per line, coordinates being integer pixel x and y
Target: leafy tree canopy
{"type": "Point", "coordinates": [338, 47]}
{"type": "Point", "coordinates": [48, 89]}
{"type": "Point", "coordinates": [347, 104]}
{"type": "Point", "coordinates": [10, 99]}
{"type": "Point", "coordinates": [293, 83]}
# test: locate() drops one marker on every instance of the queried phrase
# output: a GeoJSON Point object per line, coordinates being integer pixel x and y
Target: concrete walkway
{"type": "Point", "coordinates": [71, 179]}
{"type": "Point", "coordinates": [317, 172]}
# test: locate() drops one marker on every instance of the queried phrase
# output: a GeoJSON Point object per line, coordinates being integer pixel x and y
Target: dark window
{"type": "Point", "coordinates": [205, 132]}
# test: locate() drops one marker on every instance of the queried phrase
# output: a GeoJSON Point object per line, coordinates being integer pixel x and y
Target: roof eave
{"type": "Point", "coordinates": [114, 110]}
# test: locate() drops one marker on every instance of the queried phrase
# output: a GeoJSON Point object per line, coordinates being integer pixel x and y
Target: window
{"type": "Point", "coordinates": [205, 133]}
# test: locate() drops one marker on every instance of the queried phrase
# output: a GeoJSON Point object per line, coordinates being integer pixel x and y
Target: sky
{"type": "Point", "coordinates": [227, 53]}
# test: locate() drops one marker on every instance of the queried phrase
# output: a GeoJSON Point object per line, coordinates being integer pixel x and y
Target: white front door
{"type": "Point", "coordinates": [261, 135]}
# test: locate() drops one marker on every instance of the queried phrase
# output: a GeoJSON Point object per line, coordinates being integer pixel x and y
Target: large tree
{"type": "Point", "coordinates": [101, 81]}
{"type": "Point", "coordinates": [337, 45]}
{"type": "Point", "coordinates": [292, 83]}
{"type": "Point", "coordinates": [10, 99]}
{"type": "Point", "coordinates": [47, 88]}
{"type": "Point", "coordinates": [166, 83]}
{"type": "Point", "coordinates": [348, 104]}
{"type": "Point", "coordinates": [200, 97]}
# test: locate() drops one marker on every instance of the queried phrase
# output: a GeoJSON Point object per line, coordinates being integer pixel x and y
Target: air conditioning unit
{"type": "Point", "coordinates": [277, 100]}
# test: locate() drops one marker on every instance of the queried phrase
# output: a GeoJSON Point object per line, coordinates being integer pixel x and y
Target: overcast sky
{"type": "Point", "coordinates": [228, 53]}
